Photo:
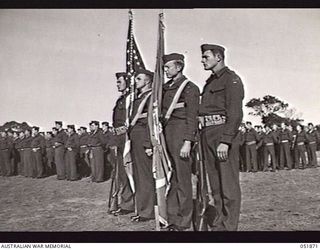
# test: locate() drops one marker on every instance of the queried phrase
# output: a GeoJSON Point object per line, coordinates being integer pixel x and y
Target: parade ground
{"type": "Point", "coordinates": [280, 201]}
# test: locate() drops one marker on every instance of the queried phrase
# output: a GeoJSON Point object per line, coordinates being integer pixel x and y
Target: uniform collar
{"type": "Point", "coordinates": [144, 92]}
{"type": "Point", "coordinates": [175, 84]}
{"type": "Point", "coordinates": [221, 71]}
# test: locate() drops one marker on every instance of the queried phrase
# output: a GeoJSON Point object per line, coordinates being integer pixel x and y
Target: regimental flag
{"type": "Point", "coordinates": [133, 63]}
{"type": "Point", "coordinates": [161, 164]}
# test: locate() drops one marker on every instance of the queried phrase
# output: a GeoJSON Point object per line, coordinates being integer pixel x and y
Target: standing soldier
{"type": "Point", "coordinates": [285, 139]}
{"type": "Point", "coordinates": [119, 123]}
{"type": "Point", "coordinates": [268, 141]}
{"type": "Point", "coordinates": [10, 142]}
{"type": "Point", "coordinates": [275, 129]}
{"type": "Point", "coordinates": [27, 154]}
{"type": "Point", "coordinates": [251, 138]}
{"type": "Point", "coordinates": [260, 146]}
{"type": "Point", "coordinates": [141, 149]}
{"type": "Point", "coordinates": [108, 136]}
{"type": "Point", "coordinates": [300, 148]}
{"type": "Point", "coordinates": [312, 146]}
{"type": "Point", "coordinates": [72, 146]}
{"type": "Point", "coordinates": [221, 115]}
{"type": "Point", "coordinates": [84, 170]}
{"type": "Point", "coordinates": [5, 154]}
{"type": "Point", "coordinates": [96, 144]}
{"type": "Point", "coordinates": [15, 160]}
{"type": "Point", "coordinates": [242, 148]}
{"type": "Point", "coordinates": [38, 148]}
{"type": "Point", "coordinates": [49, 154]}
{"type": "Point", "coordinates": [20, 151]}
{"type": "Point", "coordinates": [180, 108]}
{"type": "Point", "coordinates": [59, 150]}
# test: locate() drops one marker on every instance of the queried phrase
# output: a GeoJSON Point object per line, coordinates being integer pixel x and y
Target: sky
{"type": "Point", "coordinates": [59, 64]}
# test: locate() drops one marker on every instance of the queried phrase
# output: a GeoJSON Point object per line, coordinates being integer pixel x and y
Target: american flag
{"type": "Point", "coordinates": [134, 62]}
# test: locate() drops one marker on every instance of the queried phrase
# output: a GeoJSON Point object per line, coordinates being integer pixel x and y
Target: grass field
{"type": "Point", "coordinates": [285, 200]}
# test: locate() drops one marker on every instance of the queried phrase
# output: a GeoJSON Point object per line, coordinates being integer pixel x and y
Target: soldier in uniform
{"type": "Point", "coordinates": [119, 123]}
{"type": "Point", "coordinates": [96, 144]}
{"type": "Point", "coordinates": [108, 137]}
{"type": "Point", "coordinates": [27, 154]}
{"type": "Point", "coordinates": [242, 149]}
{"type": "Point", "coordinates": [15, 159]}
{"type": "Point", "coordinates": [50, 166]}
{"type": "Point", "coordinates": [180, 106]}
{"type": "Point", "coordinates": [72, 146]}
{"type": "Point", "coordinates": [312, 146]}
{"type": "Point", "coordinates": [19, 147]}
{"type": "Point", "coordinates": [38, 149]}
{"type": "Point", "coordinates": [251, 138]}
{"type": "Point", "coordinates": [285, 139]}
{"type": "Point", "coordinates": [269, 139]}
{"type": "Point", "coordinates": [84, 165]}
{"type": "Point", "coordinates": [59, 150]}
{"type": "Point", "coordinates": [141, 149]}
{"type": "Point", "coordinates": [260, 146]}
{"type": "Point", "coordinates": [300, 148]}
{"type": "Point", "coordinates": [10, 142]}
{"type": "Point", "coordinates": [221, 115]}
{"type": "Point", "coordinates": [5, 154]}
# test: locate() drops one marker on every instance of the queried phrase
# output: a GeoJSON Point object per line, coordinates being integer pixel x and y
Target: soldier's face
{"type": "Point", "coordinates": [298, 128]}
{"type": "Point", "coordinates": [34, 132]}
{"type": "Point", "coordinates": [283, 126]}
{"type": "Point", "coordinates": [21, 135]}
{"type": "Point", "coordinates": [54, 132]}
{"type": "Point", "coordinates": [70, 130]}
{"type": "Point", "coordinates": [27, 133]}
{"type": "Point", "coordinates": [171, 69]}
{"type": "Point", "coordinates": [121, 84]}
{"type": "Point", "coordinates": [93, 127]}
{"type": "Point", "coordinates": [310, 127]}
{"type": "Point", "coordinates": [3, 134]}
{"type": "Point", "coordinates": [141, 81]}
{"type": "Point", "coordinates": [209, 60]}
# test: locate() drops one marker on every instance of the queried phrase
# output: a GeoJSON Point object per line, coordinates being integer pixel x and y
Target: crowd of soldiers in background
{"type": "Point", "coordinates": [68, 153]}
{"type": "Point", "coordinates": [276, 148]}
{"type": "Point", "coordinates": [71, 154]}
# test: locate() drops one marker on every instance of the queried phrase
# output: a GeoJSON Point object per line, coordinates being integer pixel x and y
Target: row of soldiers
{"type": "Point", "coordinates": [284, 147]}
{"type": "Point", "coordinates": [68, 153]}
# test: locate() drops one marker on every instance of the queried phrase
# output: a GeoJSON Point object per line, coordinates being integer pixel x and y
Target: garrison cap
{"type": "Point", "coordinates": [84, 128]}
{"type": "Point", "coordinates": [36, 128]}
{"type": "Point", "coordinates": [54, 128]}
{"type": "Point", "coordinates": [171, 57]}
{"type": "Point", "coordinates": [71, 126]}
{"type": "Point", "coordinates": [119, 74]}
{"type": "Point", "coordinates": [105, 123]}
{"type": "Point", "coordinates": [9, 130]}
{"type": "Point", "coordinates": [94, 122]}
{"type": "Point", "coordinates": [205, 47]}
{"type": "Point", "coordinates": [58, 122]}
{"type": "Point", "coordinates": [144, 71]}
{"type": "Point", "coordinates": [49, 133]}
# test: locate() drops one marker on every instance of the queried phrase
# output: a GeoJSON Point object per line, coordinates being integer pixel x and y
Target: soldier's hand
{"type": "Point", "coordinates": [222, 151]}
{"type": "Point", "coordinates": [148, 151]}
{"type": "Point", "coordinates": [70, 149]}
{"type": "Point", "coordinates": [185, 150]}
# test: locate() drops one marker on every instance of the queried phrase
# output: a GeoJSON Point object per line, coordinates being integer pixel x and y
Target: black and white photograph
{"type": "Point", "coordinates": [169, 120]}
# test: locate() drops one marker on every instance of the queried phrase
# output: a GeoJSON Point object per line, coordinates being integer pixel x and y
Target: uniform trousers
{"type": "Point", "coordinates": [59, 155]}
{"type": "Point", "coordinates": [223, 178]}
{"type": "Point", "coordinates": [28, 162]}
{"type": "Point", "coordinates": [300, 154]}
{"type": "Point", "coordinates": [97, 163]}
{"type": "Point", "coordinates": [251, 157]}
{"type": "Point", "coordinates": [285, 155]}
{"type": "Point", "coordinates": [179, 200]}
{"type": "Point", "coordinates": [71, 165]}
{"type": "Point", "coordinates": [312, 156]}
{"type": "Point", "coordinates": [50, 161]}
{"type": "Point", "coordinates": [269, 150]}
{"type": "Point", "coordinates": [20, 166]}
{"type": "Point", "coordinates": [38, 170]}
{"type": "Point", "coordinates": [142, 173]}
{"type": "Point", "coordinates": [6, 162]}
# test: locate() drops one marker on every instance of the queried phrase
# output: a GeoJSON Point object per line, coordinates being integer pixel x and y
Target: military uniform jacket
{"type": "Point", "coordinates": [285, 135]}
{"type": "Point", "coordinates": [19, 143]}
{"type": "Point", "coordinates": [83, 139]}
{"type": "Point", "coordinates": [312, 136]}
{"type": "Point", "coordinates": [190, 97]}
{"type": "Point", "coordinates": [73, 142]}
{"type": "Point", "coordinates": [27, 142]}
{"type": "Point", "coordinates": [119, 112]}
{"type": "Point", "coordinates": [96, 139]}
{"type": "Point", "coordinates": [142, 121]}
{"type": "Point", "coordinates": [61, 137]}
{"type": "Point", "coordinates": [4, 143]}
{"type": "Point", "coordinates": [300, 137]}
{"type": "Point", "coordinates": [251, 135]}
{"type": "Point", "coordinates": [107, 139]}
{"type": "Point", "coordinates": [270, 137]}
{"type": "Point", "coordinates": [49, 143]}
{"type": "Point", "coordinates": [223, 95]}
{"type": "Point", "coordinates": [38, 142]}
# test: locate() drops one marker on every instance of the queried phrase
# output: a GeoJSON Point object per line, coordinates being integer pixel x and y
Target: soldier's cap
{"type": "Point", "coordinates": [71, 126]}
{"type": "Point", "coordinates": [94, 122]}
{"type": "Point", "coordinates": [84, 128]}
{"type": "Point", "coordinates": [36, 128]}
{"type": "Point", "coordinates": [144, 71]}
{"type": "Point", "coordinates": [105, 123]}
{"type": "Point", "coordinates": [171, 57]}
{"type": "Point", "coordinates": [205, 47]}
{"type": "Point", "coordinates": [58, 122]}
{"type": "Point", "coordinates": [119, 74]}
{"type": "Point", "coordinates": [49, 133]}
{"type": "Point", "coordinates": [54, 128]}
